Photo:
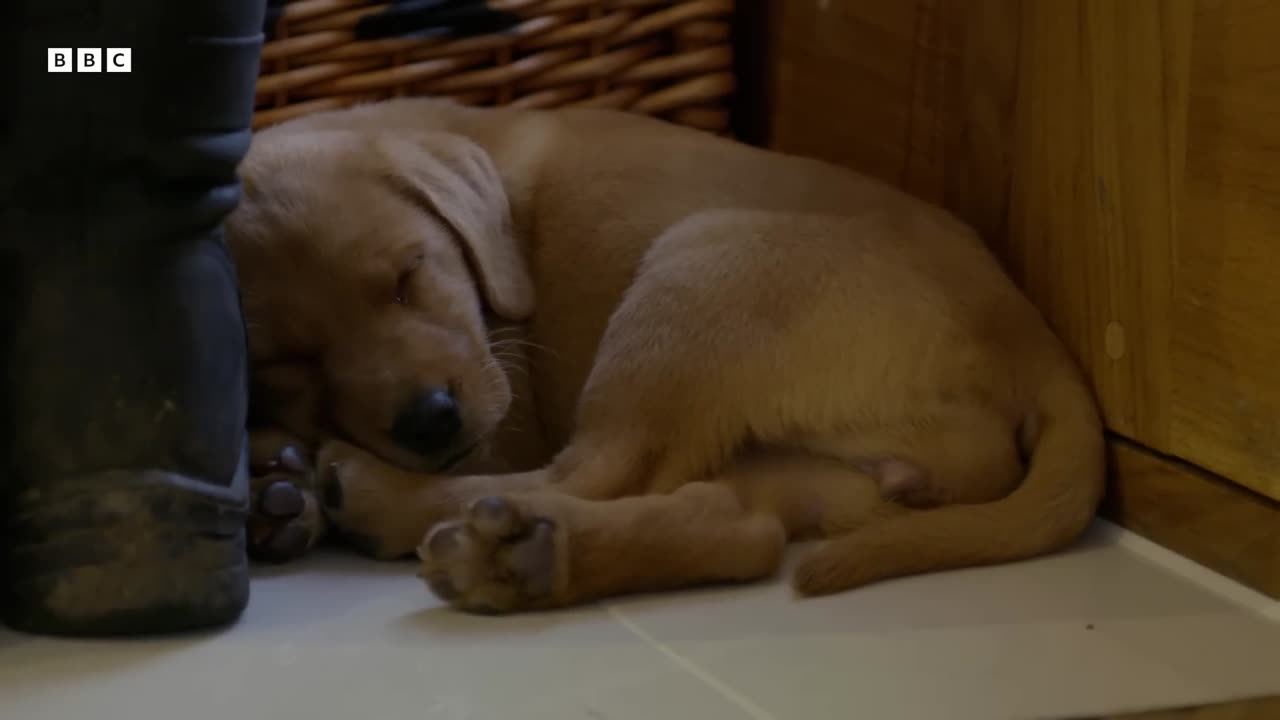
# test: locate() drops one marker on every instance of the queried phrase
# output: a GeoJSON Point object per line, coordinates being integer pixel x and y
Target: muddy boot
{"type": "Point", "coordinates": [123, 471]}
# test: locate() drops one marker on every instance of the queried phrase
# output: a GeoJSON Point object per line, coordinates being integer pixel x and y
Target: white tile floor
{"type": "Point", "coordinates": [1115, 624]}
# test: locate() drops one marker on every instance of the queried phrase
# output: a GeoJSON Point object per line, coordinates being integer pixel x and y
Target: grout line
{"type": "Point", "coordinates": [744, 703]}
{"type": "Point", "coordinates": [1192, 571]}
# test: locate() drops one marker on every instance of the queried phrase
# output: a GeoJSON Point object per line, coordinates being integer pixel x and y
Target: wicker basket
{"type": "Point", "coordinates": [668, 58]}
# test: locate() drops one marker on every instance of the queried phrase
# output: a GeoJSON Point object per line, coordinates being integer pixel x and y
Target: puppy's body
{"type": "Point", "coordinates": [730, 347]}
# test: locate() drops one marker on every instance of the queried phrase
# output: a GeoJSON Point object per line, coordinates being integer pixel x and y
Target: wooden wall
{"type": "Point", "coordinates": [1122, 157]}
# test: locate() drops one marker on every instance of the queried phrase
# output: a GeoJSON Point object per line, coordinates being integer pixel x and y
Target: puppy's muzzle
{"type": "Point", "coordinates": [429, 425]}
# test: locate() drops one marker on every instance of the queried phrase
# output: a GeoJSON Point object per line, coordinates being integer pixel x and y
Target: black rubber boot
{"type": "Point", "coordinates": [123, 393]}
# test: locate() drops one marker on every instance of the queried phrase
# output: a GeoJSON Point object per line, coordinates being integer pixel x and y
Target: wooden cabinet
{"type": "Point", "coordinates": [1225, 330]}
{"type": "Point", "coordinates": [1123, 159]}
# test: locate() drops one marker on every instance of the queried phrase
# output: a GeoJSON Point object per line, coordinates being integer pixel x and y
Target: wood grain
{"type": "Point", "coordinates": [1121, 158]}
{"type": "Point", "coordinates": [1226, 342]}
{"type": "Point", "coordinates": [1092, 197]}
{"type": "Point", "coordinates": [981, 87]}
{"type": "Point", "coordinates": [1053, 126]}
{"type": "Point", "coordinates": [845, 80]}
{"type": "Point", "coordinates": [1123, 161]}
{"type": "Point", "coordinates": [1219, 524]}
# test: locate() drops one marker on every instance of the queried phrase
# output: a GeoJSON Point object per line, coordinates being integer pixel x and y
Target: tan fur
{"type": "Point", "coordinates": [709, 349]}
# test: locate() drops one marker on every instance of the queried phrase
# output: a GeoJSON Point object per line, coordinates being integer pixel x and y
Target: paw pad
{"type": "Point", "coordinates": [280, 528]}
{"type": "Point", "coordinates": [494, 559]}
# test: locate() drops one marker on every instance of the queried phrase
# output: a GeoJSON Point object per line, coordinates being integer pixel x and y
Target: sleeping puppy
{"type": "Point", "coordinates": [570, 354]}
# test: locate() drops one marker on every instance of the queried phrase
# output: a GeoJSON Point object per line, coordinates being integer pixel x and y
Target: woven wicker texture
{"type": "Point", "coordinates": [668, 58]}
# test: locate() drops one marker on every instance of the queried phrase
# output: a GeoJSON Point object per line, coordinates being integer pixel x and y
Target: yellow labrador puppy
{"type": "Point", "coordinates": [571, 354]}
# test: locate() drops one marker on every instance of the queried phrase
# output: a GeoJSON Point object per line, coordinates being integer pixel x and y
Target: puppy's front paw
{"type": "Point", "coordinates": [285, 519]}
{"type": "Point", "coordinates": [497, 558]}
{"type": "Point", "coordinates": [377, 508]}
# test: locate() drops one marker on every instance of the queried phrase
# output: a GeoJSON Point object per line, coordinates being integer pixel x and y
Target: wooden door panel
{"type": "Point", "coordinates": [1096, 139]}
{"type": "Point", "coordinates": [1122, 158]}
{"type": "Point", "coordinates": [849, 81]}
{"type": "Point", "coordinates": [1018, 114]}
{"type": "Point", "coordinates": [1226, 341]}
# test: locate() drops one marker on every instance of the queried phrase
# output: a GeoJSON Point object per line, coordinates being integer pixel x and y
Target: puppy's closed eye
{"type": "Point", "coordinates": [402, 288]}
{"type": "Point", "coordinates": [404, 282]}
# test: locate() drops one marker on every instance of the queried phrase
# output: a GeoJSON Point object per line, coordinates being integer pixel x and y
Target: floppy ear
{"type": "Point", "coordinates": [456, 179]}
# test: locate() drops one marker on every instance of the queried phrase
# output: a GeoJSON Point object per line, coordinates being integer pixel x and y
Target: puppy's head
{"type": "Point", "coordinates": [373, 260]}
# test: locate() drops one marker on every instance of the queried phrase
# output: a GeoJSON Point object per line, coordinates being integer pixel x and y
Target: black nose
{"type": "Point", "coordinates": [429, 424]}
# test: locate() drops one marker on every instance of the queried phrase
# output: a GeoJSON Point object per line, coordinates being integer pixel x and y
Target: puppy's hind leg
{"type": "Point", "coordinates": [546, 549]}
{"type": "Point", "coordinates": [688, 352]}
{"type": "Point", "coordinates": [542, 549]}
{"type": "Point", "coordinates": [986, 507]}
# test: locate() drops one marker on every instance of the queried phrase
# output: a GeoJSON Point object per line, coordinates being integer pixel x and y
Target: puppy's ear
{"type": "Point", "coordinates": [456, 179]}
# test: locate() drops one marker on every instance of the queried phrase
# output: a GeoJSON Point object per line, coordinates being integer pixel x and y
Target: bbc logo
{"type": "Point", "coordinates": [90, 60]}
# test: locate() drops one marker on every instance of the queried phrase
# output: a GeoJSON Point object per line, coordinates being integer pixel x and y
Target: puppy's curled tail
{"type": "Point", "coordinates": [1050, 509]}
